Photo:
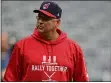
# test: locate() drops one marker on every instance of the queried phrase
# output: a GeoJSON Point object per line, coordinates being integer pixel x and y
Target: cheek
{"type": "Point", "coordinates": [37, 23]}
{"type": "Point", "coordinates": [49, 25]}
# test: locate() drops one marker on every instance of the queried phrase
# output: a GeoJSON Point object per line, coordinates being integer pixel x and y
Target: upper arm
{"type": "Point", "coordinates": [80, 71]}
{"type": "Point", "coordinates": [13, 70]}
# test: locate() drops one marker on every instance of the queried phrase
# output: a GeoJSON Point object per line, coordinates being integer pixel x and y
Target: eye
{"type": "Point", "coordinates": [43, 18]}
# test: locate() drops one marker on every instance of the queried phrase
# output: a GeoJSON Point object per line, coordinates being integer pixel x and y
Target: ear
{"type": "Point", "coordinates": [58, 22]}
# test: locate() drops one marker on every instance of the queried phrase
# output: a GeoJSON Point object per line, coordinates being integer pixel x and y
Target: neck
{"type": "Point", "coordinates": [50, 36]}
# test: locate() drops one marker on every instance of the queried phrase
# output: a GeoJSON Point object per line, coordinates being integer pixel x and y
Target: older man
{"type": "Point", "coordinates": [48, 54]}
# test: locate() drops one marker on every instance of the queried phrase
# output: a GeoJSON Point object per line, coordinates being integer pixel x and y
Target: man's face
{"type": "Point", "coordinates": [46, 24]}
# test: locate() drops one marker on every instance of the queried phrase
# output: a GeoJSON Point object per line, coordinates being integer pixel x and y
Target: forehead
{"type": "Point", "coordinates": [45, 17]}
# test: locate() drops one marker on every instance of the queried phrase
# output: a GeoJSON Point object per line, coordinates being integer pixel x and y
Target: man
{"type": "Point", "coordinates": [47, 55]}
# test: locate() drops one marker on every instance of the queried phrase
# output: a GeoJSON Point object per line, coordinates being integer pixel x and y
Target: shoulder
{"type": "Point", "coordinates": [74, 44]}
{"type": "Point", "coordinates": [23, 41]}
{"type": "Point", "coordinates": [71, 41]}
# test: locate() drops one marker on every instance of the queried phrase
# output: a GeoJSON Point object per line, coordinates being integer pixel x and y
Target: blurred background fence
{"type": "Point", "coordinates": [86, 22]}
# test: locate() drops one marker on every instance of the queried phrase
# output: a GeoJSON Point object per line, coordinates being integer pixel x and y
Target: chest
{"type": "Point", "coordinates": [37, 54]}
{"type": "Point", "coordinates": [40, 58]}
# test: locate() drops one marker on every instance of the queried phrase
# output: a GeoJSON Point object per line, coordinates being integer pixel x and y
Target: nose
{"type": "Point", "coordinates": [39, 20]}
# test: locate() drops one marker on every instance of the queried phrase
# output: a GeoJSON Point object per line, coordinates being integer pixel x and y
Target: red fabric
{"type": "Point", "coordinates": [47, 13]}
{"type": "Point", "coordinates": [34, 59]}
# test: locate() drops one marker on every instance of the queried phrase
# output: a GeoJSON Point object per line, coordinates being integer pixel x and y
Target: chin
{"type": "Point", "coordinates": [40, 31]}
